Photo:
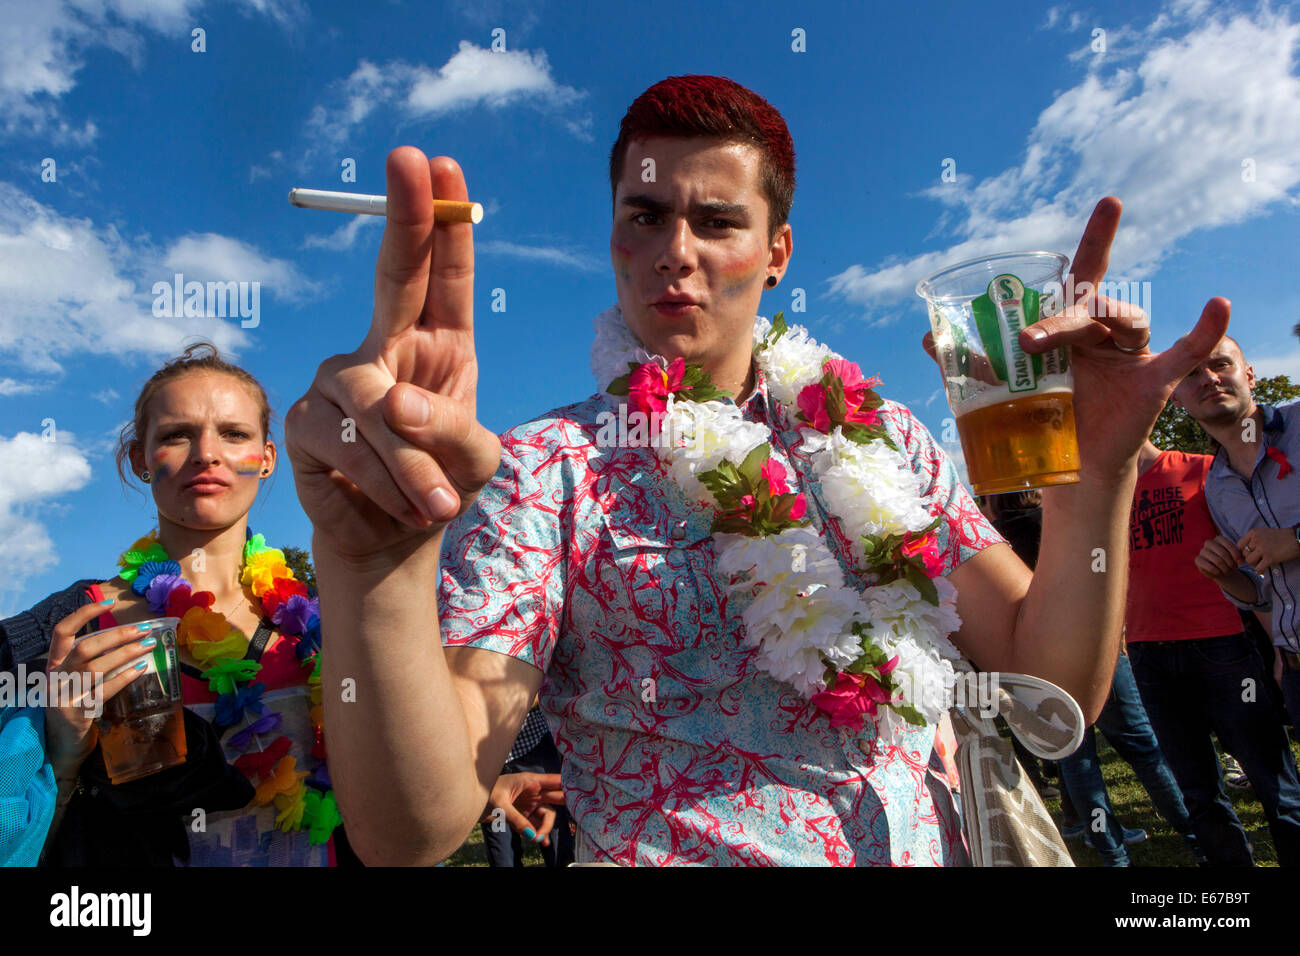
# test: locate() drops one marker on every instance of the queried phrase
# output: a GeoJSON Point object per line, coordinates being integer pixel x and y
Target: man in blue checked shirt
{"type": "Point", "coordinates": [1253, 493]}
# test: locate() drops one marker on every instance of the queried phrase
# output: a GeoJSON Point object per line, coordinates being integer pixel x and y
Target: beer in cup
{"type": "Point", "coordinates": [142, 728]}
{"type": "Point", "coordinates": [1014, 411]}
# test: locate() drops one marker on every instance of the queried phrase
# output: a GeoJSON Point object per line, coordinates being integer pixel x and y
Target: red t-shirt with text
{"type": "Point", "coordinates": [1168, 599]}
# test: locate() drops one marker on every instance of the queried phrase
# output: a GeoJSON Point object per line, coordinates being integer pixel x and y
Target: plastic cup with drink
{"type": "Point", "coordinates": [142, 728]}
{"type": "Point", "coordinates": [1014, 411]}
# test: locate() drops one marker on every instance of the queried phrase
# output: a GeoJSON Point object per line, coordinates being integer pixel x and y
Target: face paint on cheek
{"type": "Point", "coordinates": [623, 256]}
{"type": "Point", "coordinates": [161, 469]}
{"type": "Point", "coordinates": [248, 466]}
{"type": "Point", "coordinates": [738, 277]}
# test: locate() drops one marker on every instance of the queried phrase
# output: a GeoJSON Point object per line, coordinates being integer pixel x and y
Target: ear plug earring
{"type": "Point", "coordinates": [771, 282]}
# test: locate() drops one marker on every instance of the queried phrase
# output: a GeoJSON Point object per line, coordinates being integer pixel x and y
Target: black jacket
{"type": "Point", "coordinates": [143, 822]}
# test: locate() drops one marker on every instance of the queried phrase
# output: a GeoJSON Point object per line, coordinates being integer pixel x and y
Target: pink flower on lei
{"type": "Point", "coordinates": [854, 697]}
{"type": "Point", "coordinates": [927, 546]}
{"type": "Point", "coordinates": [773, 472]}
{"type": "Point", "coordinates": [650, 385]}
{"type": "Point", "coordinates": [812, 398]}
{"type": "Point", "coordinates": [850, 376]}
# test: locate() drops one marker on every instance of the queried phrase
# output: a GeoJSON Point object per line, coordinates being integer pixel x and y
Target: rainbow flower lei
{"type": "Point", "coordinates": [880, 651]}
{"type": "Point", "coordinates": [304, 801]}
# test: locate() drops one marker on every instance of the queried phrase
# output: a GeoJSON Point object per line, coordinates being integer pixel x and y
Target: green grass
{"type": "Point", "coordinates": [1164, 846]}
{"type": "Point", "coordinates": [472, 853]}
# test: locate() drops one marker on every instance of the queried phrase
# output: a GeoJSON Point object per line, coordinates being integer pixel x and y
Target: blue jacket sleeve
{"type": "Point", "coordinates": [27, 788]}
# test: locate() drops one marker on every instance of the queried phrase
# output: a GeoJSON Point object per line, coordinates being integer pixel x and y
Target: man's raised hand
{"type": "Point", "coordinates": [385, 445]}
{"type": "Point", "coordinates": [1118, 393]}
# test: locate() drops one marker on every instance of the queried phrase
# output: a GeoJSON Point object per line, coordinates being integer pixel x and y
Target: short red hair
{"type": "Point", "coordinates": [716, 107]}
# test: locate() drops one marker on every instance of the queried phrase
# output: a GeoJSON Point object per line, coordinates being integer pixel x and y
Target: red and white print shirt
{"type": "Point", "coordinates": [589, 563]}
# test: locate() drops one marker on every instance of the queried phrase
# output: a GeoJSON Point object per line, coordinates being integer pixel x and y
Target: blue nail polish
{"type": "Point", "coordinates": [528, 832]}
{"type": "Point", "coordinates": [146, 626]}
{"type": "Point", "coordinates": [106, 602]}
{"type": "Point", "coordinates": [149, 642]}
{"type": "Point", "coordinates": [141, 666]}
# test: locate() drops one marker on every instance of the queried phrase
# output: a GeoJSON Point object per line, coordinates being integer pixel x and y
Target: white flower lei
{"type": "Point", "coordinates": [802, 611]}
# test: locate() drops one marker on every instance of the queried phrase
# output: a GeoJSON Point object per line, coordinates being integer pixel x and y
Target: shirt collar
{"type": "Point", "coordinates": [757, 402]}
{"type": "Point", "coordinates": [1273, 423]}
{"type": "Point", "coordinates": [1272, 418]}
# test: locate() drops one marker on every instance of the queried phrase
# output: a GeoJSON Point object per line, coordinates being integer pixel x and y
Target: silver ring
{"type": "Point", "coordinates": [1249, 548]}
{"type": "Point", "coordinates": [1139, 348]}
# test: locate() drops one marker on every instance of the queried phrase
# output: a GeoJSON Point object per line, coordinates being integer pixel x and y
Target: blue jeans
{"type": "Point", "coordinates": [1124, 722]}
{"type": "Point", "coordinates": [1196, 686]}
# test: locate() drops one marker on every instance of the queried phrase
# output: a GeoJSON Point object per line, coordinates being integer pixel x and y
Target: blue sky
{"type": "Point", "coordinates": [166, 159]}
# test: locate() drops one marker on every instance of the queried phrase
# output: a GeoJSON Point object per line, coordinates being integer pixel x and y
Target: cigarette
{"type": "Point", "coordinates": [444, 210]}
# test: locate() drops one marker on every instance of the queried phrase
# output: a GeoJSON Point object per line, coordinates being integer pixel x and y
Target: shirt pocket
{"type": "Point", "coordinates": [659, 573]}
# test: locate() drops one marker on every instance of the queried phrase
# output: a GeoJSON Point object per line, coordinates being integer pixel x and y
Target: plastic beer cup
{"type": "Point", "coordinates": [1014, 411]}
{"type": "Point", "coordinates": [142, 728]}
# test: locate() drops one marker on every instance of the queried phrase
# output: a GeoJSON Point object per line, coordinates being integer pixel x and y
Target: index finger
{"type": "Point", "coordinates": [546, 781]}
{"type": "Point", "coordinates": [1234, 548]}
{"type": "Point", "coordinates": [1093, 255]}
{"type": "Point", "coordinates": [65, 632]}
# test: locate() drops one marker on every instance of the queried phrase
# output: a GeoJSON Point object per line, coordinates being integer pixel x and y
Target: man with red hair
{"type": "Point", "coordinates": [585, 571]}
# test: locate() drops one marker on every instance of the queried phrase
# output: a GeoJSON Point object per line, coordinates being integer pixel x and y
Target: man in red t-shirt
{"type": "Point", "coordinates": [1195, 669]}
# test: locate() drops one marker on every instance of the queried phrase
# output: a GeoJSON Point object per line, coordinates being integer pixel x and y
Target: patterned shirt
{"type": "Point", "coordinates": [1265, 500]}
{"type": "Point", "coordinates": [534, 731]}
{"type": "Point", "coordinates": [589, 563]}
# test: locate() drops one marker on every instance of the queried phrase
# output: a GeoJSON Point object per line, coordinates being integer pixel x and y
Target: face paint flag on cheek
{"type": "Point", "coordinates": [252, 465]}
{"type": "Point", "coordinates": [160, 467]}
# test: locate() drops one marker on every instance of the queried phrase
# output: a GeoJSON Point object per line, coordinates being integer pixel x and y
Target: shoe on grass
{"type": "Point", "coordinates": [1233, 775]}
{"type": "Point", "coordinates": [1237, 780]}
{"type": "Point", "coordinates": [1133, 837]}
{"type": "Point", "coordinates": [1073, 831]}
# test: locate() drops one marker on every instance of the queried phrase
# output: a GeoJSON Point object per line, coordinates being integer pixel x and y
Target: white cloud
{"type": "Point", "coordinates": [220, 258]}
{"type": "Point", "coordinates": [473, 78]}
{"type": "Point", "coordinates": [1168, 134]}
{"type": "Point", "coordinates": [33, 471]}
{"type": "Point", "coordinates": [44, 45]}
{"type": "Point", "coordinates": [67, 289]}
{"type": "Point", "coordinates": [9, 386]}
{"type": "Point", "coordinates": [1270, 365]}
{"type": "Point", "coordinates": [559, 257]}
{"type": "Point", "coordinates": [344, 237]}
